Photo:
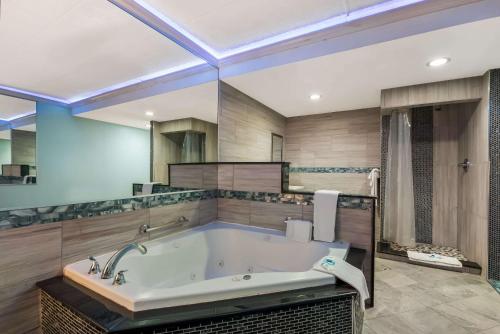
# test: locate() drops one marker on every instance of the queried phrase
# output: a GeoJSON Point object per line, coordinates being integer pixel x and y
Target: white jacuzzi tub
{"type": "Point", "coordinates": [207, 263]}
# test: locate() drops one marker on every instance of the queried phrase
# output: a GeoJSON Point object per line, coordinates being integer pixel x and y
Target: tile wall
{"type": "Point", "coordinates": [333, 150]}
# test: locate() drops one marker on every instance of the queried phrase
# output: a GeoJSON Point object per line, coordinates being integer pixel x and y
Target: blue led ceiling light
{"type": "Point", "coordinates": [328, 23]}
{"type": "Point", "coordinates": [13, 118]}
{"type": "Point", "coordinates": [221, 54]}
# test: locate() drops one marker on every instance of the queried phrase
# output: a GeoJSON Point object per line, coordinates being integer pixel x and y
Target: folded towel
{"type": "Point", "coordinates": [341, 269]}
{"type": "Point", "coordinates": [147, 188]}
{"type": "Point", "coordinates": [436, 259]}
{"type": "Point", "coordinates": [373, 177]}
{"type": "Point", "coordinates": [298, 230]}
{"type": "Point", "coordinates": [325, 212]}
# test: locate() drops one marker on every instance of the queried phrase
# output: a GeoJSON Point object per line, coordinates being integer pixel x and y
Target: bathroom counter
{"type": "Point", "coordinates": [108, 317]}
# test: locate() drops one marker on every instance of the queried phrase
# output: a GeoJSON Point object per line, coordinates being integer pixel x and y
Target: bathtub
{"type": "Point", "coordinates": [207, 263]}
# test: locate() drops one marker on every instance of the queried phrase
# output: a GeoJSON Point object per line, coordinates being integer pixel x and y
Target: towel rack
{"type": "Point", "coordinates": [177, 222]}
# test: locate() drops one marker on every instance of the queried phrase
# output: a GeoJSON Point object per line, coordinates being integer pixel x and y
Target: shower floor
{"type": "Point", "coordinates": [396, 252]}
{"type": "Point", "coordinates": [427, 248]}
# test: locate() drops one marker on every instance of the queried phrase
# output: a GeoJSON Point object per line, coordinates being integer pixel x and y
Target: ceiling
{"type": "Point", "coordinates": [11, 108]}
{"type": "Point", "coordinates": [5, 134]}
{"type": "Point", "coordinates": [73, 48]}
{"type": "Point", "coordinates": [353, 79]}
{"type": "Point", "coordinates": [197, 101]}
{"type": "Point", "coordinates": [220, 23]}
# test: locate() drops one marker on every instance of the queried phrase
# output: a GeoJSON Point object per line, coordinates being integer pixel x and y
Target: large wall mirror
{"type": "Point", "coordinates": [173, 128]}
{"type": "Point", "coordinates": [17, 141]}
{"type": "Point", "coordinates": [296, 113]}
{"type": "Point", "coordinates": [110, 125]}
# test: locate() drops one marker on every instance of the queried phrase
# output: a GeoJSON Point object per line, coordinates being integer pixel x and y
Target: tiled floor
{"type": "Point", "coordinates": [420, 300]}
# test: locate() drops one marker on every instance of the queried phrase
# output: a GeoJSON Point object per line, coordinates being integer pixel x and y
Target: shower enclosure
{"type": "Point", "coordinates": [187, 140]}
{"type": "Point", "coordinates": [434, 180]}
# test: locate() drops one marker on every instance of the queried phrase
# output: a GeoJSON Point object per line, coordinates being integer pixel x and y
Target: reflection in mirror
{"type": "Point", "coordinates": [294, 114]}
{"type": "Point", "coordinates": [182, 127]}
{"type": "Point", "coordinates": [276, 148]}
{"type": "Point", "coordinates": [17, 141]}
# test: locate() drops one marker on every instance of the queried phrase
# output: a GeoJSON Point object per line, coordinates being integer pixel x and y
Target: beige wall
{"type": "Point", "coordinates": [39, 252]}
{"type": "Point", "coordinates": [338, 139]}
{"type": "Point", "coordinates": [245, 127]}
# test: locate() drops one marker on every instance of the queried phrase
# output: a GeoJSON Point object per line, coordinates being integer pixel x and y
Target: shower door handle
{"type": "Point", "coordinates": [465, 165]}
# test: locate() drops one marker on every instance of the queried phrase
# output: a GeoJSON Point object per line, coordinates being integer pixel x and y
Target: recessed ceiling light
{"type": "Point", "coordinates": [314, 97]}
{"type": "Point", "coordinates": [438, 62]}
{"type": "Point", "coordinates": [149, 113]}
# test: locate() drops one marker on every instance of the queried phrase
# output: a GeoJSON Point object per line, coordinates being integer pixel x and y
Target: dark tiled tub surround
{"type": "Point", "coordinates": [50, 214]}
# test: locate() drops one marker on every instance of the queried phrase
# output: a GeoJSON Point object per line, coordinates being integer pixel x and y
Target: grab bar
{"type": "Point", "coordinates": [178, 222]}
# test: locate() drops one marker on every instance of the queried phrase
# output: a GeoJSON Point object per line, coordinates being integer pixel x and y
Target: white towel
{"type": "Point", "coordinates": [373, 177]}
{"type": "Point", "coordinates": [436, 259]}
{"type": "Point", "coordinates": [298, 230]}
{"type": "Point", "coordinates": [341, 269]}
{"type": "Point", "coordinates": [147, 188]}
{"type": "Point", "coordinates": [325, 212]}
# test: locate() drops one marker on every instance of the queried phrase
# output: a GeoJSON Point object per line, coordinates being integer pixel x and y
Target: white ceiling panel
{"type": "Point", "coordinates": [197, 101]}
{"type": "Point", "coordinates": [5, 134]}
{"type": "Point", "coordinates": [226, 24]}
{"type": "Point", "coordinates": [360, 4]}
{"type": "Point", "coordinates": [354, 79]}
{"type": "Point", "coordinates": [11, 107]}
{"type": "Point", "coordinates": [73, 47]}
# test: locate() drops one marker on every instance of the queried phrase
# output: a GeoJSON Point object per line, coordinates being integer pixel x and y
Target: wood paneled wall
{"type": "Point", "coordinates": [473, 185]}
{"type": "Point", "coordinates": [23, 148]}
{"type": "Point", "coordinates": [245, 127]}
{"type": "Point", "coordinates": [460, 198]}
{"type": "Point", "coordinates": [450, 91]}
{"type": "Point", "coordinates": [337, 139]}
{"type": "Point", "coordinates": [445, 176]}
{"type": "Point", "coordinates": [39, 252]}
{"type": "Point", "coordinates": [29, 254]}
{"type": "Point", "coordinates": [251, 177]}
{"type": "Point", "coordinates": [202, 176]}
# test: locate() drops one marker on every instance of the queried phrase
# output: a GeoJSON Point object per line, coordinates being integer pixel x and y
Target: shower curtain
{"type": "Point", "coordinates": [193, 147]}
{"type": "Point", "coordinates": [399, 211]}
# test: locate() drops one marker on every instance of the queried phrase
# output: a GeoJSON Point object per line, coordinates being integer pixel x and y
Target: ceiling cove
{"type": "Point", "coordinates": [379, 14]}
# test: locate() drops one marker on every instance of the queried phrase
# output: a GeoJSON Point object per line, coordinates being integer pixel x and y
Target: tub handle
{"type": "Point", "coordinates": [94, 267]}
{"type": "Point", "coordinates": [120, 278]}
{"type": "Point", "coordinates": [178, 222]}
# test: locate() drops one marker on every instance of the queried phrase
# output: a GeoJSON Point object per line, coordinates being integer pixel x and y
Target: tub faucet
{"type": "Point", "coordinates": [109, 268]}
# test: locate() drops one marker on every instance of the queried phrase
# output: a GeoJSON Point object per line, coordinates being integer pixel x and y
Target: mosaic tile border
{"type": "Point", "coordinates": [494, 153]}
{"type": "Point", "coordinates": [50, 214]}
{"type": "Point", "coordinates": [422, 149]}
{"type": "Point", "coordinates": [332, 170]}
{"type": "Point", "coordinates": [349, 202]}
{"type": "Point", "coordinates": [384, 147]}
